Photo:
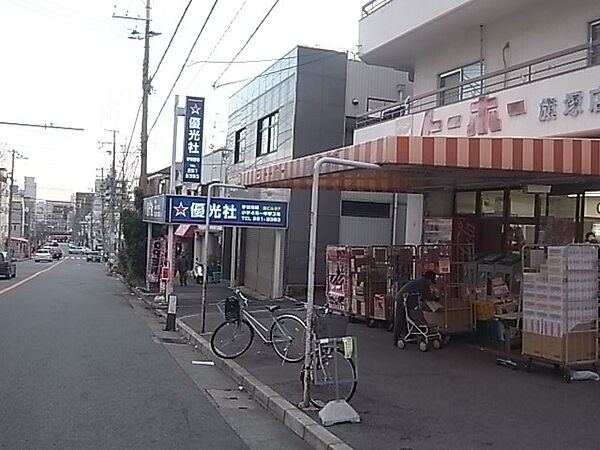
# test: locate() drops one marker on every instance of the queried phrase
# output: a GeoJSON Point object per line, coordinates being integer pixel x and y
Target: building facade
{"type": "Point", "coordinates": [483, 68]}
{"type": "Point", "coordinates": [305, 103]}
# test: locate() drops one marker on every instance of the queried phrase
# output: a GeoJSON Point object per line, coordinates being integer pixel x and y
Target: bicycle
{"type": "Point", "coordinates": [331, 368]}
{"type": "Point", "coordinates": [234, 336]}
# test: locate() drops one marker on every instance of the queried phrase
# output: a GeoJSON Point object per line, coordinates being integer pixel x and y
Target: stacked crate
{"type": "Point", "coordinates": [560, 305]}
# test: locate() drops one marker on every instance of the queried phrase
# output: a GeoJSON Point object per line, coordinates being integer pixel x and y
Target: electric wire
{"type": "Point", "coordinates": [183, 66]}
{"type": "Point", "coordinates": [248, 40]}
{"type": "Point", "coordinates": [216, 45]}
{"type": "Point", "coordinates": [171, 40]}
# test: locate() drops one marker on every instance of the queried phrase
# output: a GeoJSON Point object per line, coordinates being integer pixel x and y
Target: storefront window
{"type": "Point", "coordinates": [466, 202]}
{"type": "Point", "coordinates": [521, 204]}
{"type": "Point", "coordinates": [562, 206]}
{"type": "Point", "coordinates": [518, 235]}
{"type": "Point", "coordinates": [492, 203]}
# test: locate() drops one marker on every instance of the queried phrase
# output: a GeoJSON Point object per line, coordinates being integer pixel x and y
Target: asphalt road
{"type": "Point", "coordinates": [82, 366]}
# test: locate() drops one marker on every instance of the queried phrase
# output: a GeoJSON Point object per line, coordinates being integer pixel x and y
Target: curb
{"type": "Point", "coordinates": [300, 423]}
{"type": "Point", "coordinates": [315, 435]}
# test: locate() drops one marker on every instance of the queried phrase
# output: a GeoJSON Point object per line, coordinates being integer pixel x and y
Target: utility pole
{"type": "Point", "coordinates": [146, 88]}
{"type": "Point", "coordinates": [15, 154]}
{"type": "Point", "coordinates": [10, 200]}
{"type": "Point", "coordinates": [145, 92]}
{"type": "Point", "coordinates": [113, 192]}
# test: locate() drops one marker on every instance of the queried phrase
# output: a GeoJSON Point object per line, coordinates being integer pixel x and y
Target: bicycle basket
{"type": "Point", "coordinates": [232, 309]}
{"type": "Point", "coordinates": [331, 325]}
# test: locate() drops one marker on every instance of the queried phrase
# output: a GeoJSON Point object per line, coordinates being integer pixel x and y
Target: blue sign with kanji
{"type": "Point", "coordinates": [192, 143]}
{"type": "Point", "coordinates": [229, 212]}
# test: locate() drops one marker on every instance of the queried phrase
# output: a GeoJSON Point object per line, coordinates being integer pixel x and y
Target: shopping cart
{"type": "Point", "coordinates": [417, 329]}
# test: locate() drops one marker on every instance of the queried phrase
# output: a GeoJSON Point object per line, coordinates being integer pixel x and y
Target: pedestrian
{"type": "Point", "coordinates": [590, 238]}
{"type": "Point", "coordinates": [181, 267]}
{"type": "Point", "coordinates": [416, 291]}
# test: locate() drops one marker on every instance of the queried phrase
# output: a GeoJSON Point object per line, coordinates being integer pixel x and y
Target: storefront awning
{"type": "Point", "coordinates": [421, 164]}
{"type": "Point", "coordinates": [187, 231]}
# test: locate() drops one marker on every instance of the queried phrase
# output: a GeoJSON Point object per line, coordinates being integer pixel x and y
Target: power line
{"type": "Point", "coordinates": [35, 125]}
{"type": "Point", "coordinates": [246, 61]}
{"type": "Point", "coordinates": [172, 38]}
{"type": "Point", "coordinates": [248, 41]}
{"type": "Point", "coordinates": [185, 63]}
{"type": "Point", "coordinates": [217, 44]}
{"type": "Point", "coordinates": [266, 74]}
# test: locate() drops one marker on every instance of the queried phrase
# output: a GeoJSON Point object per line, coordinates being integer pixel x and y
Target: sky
{"type": "Point", "coordinates": [70, 63]}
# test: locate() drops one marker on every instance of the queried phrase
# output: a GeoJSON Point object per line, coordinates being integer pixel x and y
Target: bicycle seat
{"type": "Point", "coordinates": [273, 308]}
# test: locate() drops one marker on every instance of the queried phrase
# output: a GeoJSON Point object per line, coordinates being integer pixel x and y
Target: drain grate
{"type": "Point", "coordinates": [168, 340]}
{"type": "Point", "coordinates": [231, 399]}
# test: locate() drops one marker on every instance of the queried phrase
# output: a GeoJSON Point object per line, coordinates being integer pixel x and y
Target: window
{"type": "Point", "coordinates": [594, 37]}
{"type": "Point", "coordinates": [457, 76]}
{"type": "Point", "coordinates": [240, 146]}
{"type": "Point", "coordinates": [365, 209]}
{"type": "Point", "coordinates": [492, 203]}
{"type": "Point", "coordinates": [266, 140]}
{"type": "Point", "coordinates": [466, 202]}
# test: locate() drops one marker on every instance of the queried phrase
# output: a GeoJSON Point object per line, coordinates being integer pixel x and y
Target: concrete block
{"type": "Point", "coordinates": [340, 446]}
{"type": "Point", "coordinates": [319, 438]}
{"type": "Point", "coordinates": [297, 421]}
{"type": "Point", "coordinates": [278, 407]}
{"type": "Point", "coordinates": [262, 394]}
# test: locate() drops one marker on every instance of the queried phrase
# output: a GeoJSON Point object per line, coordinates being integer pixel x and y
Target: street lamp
{"type": "Point", "coordinates": [312, 250]}
{"type": "Point", "coordinates": [205, 246]}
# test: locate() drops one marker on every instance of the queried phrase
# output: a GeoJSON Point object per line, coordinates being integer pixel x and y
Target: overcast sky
{"type": "Point", "coordinates": [68, 62]}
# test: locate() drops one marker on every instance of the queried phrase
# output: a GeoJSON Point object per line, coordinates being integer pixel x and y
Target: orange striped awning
{"type": "Point", "coordinates": [420, 164]}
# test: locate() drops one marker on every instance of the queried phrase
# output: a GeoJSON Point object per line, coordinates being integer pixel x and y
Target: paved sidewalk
{"type": "Point", "coordinates": [456, 397]}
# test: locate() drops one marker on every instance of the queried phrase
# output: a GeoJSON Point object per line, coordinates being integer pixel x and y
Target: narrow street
{"type": "Point", "coordinates": [83, 366]}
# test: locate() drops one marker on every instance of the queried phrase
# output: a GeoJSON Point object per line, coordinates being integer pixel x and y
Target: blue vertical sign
{"type": "Point", "coordinates": [192, 144]}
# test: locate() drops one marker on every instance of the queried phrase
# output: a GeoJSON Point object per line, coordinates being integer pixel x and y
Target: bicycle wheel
{"type": "Point", "coordinates": [287, 336]}
{"type": "Point", "coordinates": [232, 339]}
{"type": "Point", "coordinates": [322, 384]}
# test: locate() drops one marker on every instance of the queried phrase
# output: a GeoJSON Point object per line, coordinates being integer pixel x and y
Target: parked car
{"type": "Point", "coordinates": [93, 257]}
{"type": "Point", "coordinates": [85, 250]}
{"type": "Point", "coordinates": [8, 266]}
{"type": "Point", "coordinates": [74, 250]}
{"type": "Point", "coordinates": [43, 254]}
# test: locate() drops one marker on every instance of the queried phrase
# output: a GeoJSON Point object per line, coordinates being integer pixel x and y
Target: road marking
{"type": "Point", "coordinates": [29, 278]}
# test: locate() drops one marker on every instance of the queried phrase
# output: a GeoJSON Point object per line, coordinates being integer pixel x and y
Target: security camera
{"type": "Point", "coordinates": [355, 101]}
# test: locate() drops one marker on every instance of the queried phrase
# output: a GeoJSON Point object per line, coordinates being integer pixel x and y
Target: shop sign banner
{"type": "Point", "coordinates": [230, 212]}
{"type": "Point", "coordinates": [154, 209]}
{"type": "Point", "coordinates": [156, 259]}
{"type": "Point", "coordinates": [192, 144]}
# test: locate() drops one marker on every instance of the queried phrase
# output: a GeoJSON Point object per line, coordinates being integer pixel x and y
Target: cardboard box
{"type": "Point", "coordinates": [531, 344]}
{"type": "Point", "coordinates": [453, 321]}
{"type": "Point", "coordinates": [576, 346]}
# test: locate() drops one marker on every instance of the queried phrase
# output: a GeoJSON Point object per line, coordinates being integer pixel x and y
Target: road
{"type": "Point", "coordinates": [84, 365]}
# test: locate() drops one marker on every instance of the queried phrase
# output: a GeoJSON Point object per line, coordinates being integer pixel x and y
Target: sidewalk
{"type": "Point", "coordinates": [456, 397]}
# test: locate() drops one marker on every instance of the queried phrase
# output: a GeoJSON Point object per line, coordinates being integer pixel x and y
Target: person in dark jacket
{"type": "Point", "coordinates": [417, 291]}
{"type": "Point", "coordinates": [181, 267]}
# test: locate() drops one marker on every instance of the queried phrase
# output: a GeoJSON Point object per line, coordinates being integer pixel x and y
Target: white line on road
{"type": "Point", "coordinates": [29, 278]}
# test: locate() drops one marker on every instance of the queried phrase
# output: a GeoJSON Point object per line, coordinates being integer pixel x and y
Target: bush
{"type": "Point", "coordinates": [132, 258]}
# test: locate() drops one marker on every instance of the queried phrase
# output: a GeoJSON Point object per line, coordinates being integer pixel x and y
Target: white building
{"type": "Point", "coordinates": [487, 68]}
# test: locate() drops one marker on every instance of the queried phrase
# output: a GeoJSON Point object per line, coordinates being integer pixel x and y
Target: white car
{"type": "Point", "coordinates": [43, 254]}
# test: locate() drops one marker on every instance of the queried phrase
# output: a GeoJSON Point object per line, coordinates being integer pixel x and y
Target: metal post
{"type": "Point", "coordinates": [205, 245]}
{"type": "Point", "coordinates": [234, 257]}
{"type": "Point", "coordinates": [312, 250]}
{"type": "Point", "coordinates": [172, 309]}
{"type": "Point", "coordinates": [205, 255]}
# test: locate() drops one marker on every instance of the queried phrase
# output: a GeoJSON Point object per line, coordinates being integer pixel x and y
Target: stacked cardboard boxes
{"type": "Point", "coordinates": [560, 305]}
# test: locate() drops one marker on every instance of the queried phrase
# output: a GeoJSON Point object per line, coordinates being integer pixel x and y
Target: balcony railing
{"type": "Point", "coordinates": [548, 66]}
{"type": "Point", "coordinates": [372, 6]}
